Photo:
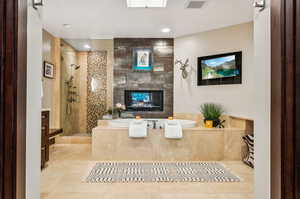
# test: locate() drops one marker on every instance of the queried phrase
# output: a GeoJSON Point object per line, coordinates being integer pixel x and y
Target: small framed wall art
{"type": "Point", "coordinates": [142, 59]}
{"type": "Point", "coordinates": [159, 68]}
{"type": "Point", "coordinates": [48, 70]}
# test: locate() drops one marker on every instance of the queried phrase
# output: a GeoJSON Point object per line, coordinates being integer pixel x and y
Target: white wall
{"type": "Point", "coordinates": [251, 99]}
{"type": "Point", "coordinates": [236, 99]}
{"type": "Point", "coordinates": [262, 37]}
{"type": "Point", "coordinates": [34, 85]}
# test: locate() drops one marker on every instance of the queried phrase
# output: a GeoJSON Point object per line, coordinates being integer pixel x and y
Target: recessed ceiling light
{"type": "Point", "coordinates": [166, 30]}
{"type": "Point", "coordinates": [147, 3]}
{"type": "Point", "coordinates": [67, 25]}
{"type": "Point", "coordinates": [86, 46]}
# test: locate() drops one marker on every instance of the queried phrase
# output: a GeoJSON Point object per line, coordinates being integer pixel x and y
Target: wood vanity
{"type": "Point", "coordinates": [45, 138]}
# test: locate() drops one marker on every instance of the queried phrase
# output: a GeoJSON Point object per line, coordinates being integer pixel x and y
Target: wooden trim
{"type": "Point", "coordinates": [276, 98]}
{"type": "Point", "coordinates": [13, 20]}
{"type": "Point", "coordinates": [2, 9]}
{"type": "Point", "coordinates": [285, 98]}
{"type": "Point", "coordinates": [297, 101]}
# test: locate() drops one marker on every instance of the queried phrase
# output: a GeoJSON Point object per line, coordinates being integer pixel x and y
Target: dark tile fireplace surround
{"type": "Point", "coordinates": [153, 91]}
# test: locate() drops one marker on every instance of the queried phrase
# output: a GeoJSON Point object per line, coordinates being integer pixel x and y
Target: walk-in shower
{"type": "Point", "coordinates": [72, 90]}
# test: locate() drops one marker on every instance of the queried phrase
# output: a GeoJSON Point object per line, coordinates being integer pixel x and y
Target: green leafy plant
{"type": "Point", "coordinates": [110, 111]}
{"type": "Point", "coordinates": [212, 111]}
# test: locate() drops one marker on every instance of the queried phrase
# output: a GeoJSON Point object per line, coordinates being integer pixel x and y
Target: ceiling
{"type": "Point", "coordinates": [106, 19]}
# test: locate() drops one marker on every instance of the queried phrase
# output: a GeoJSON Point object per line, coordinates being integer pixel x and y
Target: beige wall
{"type": "Point", "coordinates": [82, 61]}
{"type": "Point", "coordinates": [229, 39]}
{"type": "Point", "coordinates": [51, 87]}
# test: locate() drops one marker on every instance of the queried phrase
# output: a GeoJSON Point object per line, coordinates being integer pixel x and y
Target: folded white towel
{"type": "Point", "coordinates": [173, 129]}
{"type": "Point", "coordinates": [138, 129]}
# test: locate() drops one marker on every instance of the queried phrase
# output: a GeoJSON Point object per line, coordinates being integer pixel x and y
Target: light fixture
{"type": "Point", "coordinates": [166, 30]}
{"type": "Point", "coordinates": [87, 46]}
{"type": "Point", "coordinates": [67, 25]}
{"type": "Point", "coordinates": [261, 5]}
{"type": "Point", "coordinates": [147, 3]}
{"type": "Point", "coordinates": [36, 3]}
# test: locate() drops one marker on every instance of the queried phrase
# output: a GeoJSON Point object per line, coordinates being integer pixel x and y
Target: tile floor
{"type": "Point", "coordinates": [70, 163]}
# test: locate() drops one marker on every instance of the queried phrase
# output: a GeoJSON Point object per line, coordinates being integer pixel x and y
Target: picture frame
{"type": "Point", "coordinates": [48, 70]}
{"type": "Point", "coordinates": [220, 69]}
{"type": "Point", "coordinates": [158, 68]}
{"type": "Point", "coordinates": [142, 59]}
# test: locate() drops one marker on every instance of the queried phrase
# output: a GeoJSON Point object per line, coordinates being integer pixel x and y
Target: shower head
{"type": "Point", "coordinates": [76, 67]}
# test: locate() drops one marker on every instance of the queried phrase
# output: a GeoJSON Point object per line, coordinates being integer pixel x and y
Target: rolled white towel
{"type": "Point", "coordinates": [173, 129]}
{"type": "Point", "coordinates": [138, 129]}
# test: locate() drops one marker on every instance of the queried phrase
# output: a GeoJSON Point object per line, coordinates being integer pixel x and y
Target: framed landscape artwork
{"type": "Point", "coordinates": [142, 59]}
{"type": "Point", "coordinates": [220, 69]}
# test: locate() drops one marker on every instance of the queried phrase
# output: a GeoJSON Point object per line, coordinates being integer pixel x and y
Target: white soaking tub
{"type": "Point", "coordinates": [124, 123]}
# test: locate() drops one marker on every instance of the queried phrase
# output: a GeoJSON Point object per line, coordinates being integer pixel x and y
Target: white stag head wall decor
{"type": "Point", "coordinates": [183, 66]}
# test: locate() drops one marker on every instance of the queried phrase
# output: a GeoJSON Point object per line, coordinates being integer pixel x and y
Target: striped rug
{"type": "Point", "coordinates": [116, 172]}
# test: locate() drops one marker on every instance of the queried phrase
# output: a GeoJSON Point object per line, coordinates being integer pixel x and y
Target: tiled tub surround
{"type": "Point", "coordinates": [197, 144]}
{"type": "Point", "coordinates": [125, 78]}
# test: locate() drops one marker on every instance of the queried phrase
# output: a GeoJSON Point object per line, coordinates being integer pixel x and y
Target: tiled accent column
{"type": "Point", "coordinates": [96, 87]}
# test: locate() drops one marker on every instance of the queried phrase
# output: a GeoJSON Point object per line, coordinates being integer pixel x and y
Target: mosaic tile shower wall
{"type": "Point", "coordinates": [96, 87]}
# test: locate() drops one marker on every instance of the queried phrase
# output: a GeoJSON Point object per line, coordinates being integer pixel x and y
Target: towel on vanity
{"type": "Point", "coordinates": [138, 129]}
{"type": "Point", "coordinates": [173, 129]}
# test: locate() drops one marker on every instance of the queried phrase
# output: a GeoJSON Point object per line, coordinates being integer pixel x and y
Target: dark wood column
{"type": "Point", "coordinates": [13, 28]}
{"type": "Point", "coordinates": [297, 100]}
{"type": "Point", "coordinates": [285, 121]}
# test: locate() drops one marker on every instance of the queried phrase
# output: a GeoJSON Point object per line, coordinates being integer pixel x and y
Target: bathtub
{"type": "Point", "coordinates": [124, 123]}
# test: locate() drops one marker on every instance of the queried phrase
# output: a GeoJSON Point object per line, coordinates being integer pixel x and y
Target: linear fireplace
{"type": "Point", "coordinates": [144, 100]}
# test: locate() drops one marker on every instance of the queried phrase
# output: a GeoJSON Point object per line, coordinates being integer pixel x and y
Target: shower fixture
{"type": "Point", "coordinates": [72, 90]}
{"type": "Point", "coordinates": [261, 5]}
{"type": "Point", "coordinates": [72, 94]}
{"type": "Point", "coordinates": [36, 3]}
{"type": "Point", "coordinates": [76, 67]}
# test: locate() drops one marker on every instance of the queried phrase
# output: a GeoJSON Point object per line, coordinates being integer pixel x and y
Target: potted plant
{"type": "Point", "coordinates": [212, 113]}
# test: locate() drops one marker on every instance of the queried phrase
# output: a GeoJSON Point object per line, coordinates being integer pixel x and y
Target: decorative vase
{"type": "Point", "coordinates": [208, 123]}
{"type": "Point", "coordinates": [211, 123]}
{"type": "Point", "coordinates": [216, 123]}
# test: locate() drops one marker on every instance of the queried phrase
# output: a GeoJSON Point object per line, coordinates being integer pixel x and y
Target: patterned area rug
{"type": "Point", "coordinates": [160, 172]}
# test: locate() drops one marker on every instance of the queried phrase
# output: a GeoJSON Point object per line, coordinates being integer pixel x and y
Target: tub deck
{"type": "Point", "coordinates": [197, 144]}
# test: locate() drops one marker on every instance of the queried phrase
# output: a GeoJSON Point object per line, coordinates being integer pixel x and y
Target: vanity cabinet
{"type": "Point", "coordinates": [45, 138]}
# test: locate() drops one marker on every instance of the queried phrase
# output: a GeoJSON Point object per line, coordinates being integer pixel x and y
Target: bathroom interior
{"type": "Point", "coordinates": [141, 113]}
